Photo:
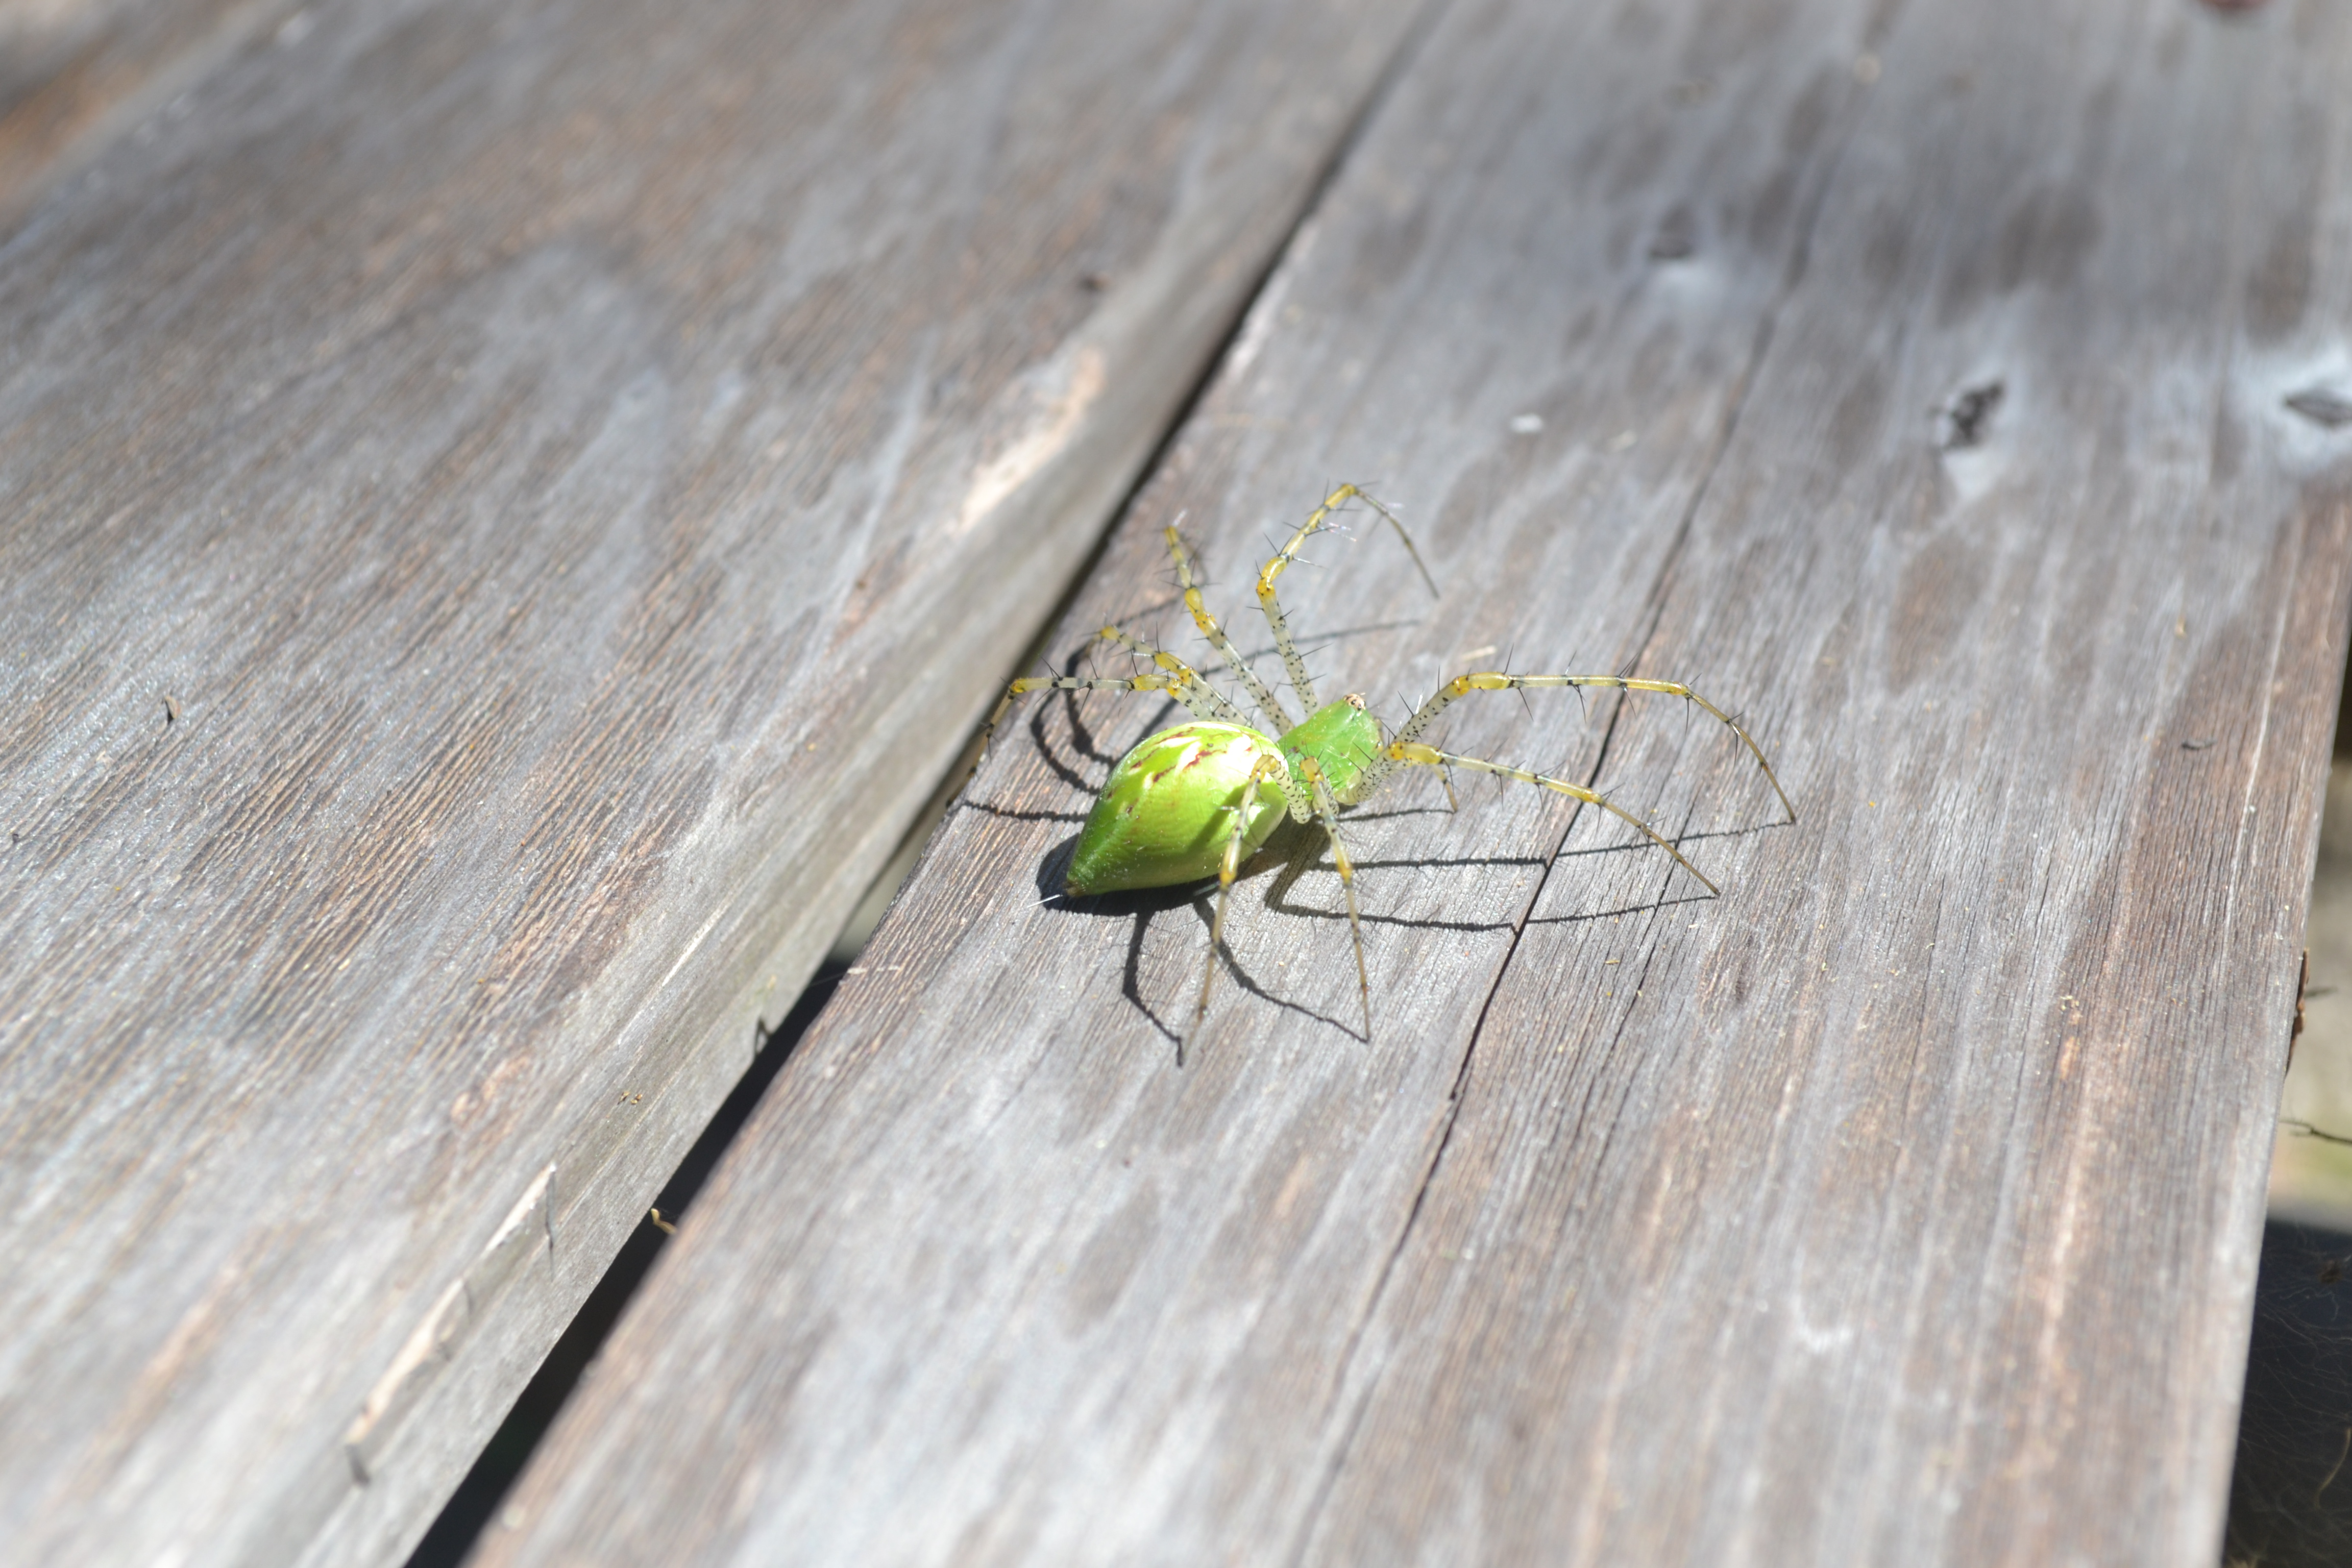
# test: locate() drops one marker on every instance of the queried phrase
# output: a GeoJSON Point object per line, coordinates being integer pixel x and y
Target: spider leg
{"type": "Point", "coordinates": [1173, 675]}
{"type": "Point", "coordinates": [1325, 808]}
{"type": "Point", "coordinates": [1269, 767]}
{"type": "Point", "coordinates": [1295, 665]}
{"type": "Point", "coordinates": [1218, 640]}
{"type": "Point", "coordinates": [1184, 683]}
{"type": "Point", "coordinates": [1496, 681]}
{"type": "Point", "coordinates": [1413, 753]}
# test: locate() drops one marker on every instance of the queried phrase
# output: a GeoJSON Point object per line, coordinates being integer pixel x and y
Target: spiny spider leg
{"type": "Point", "coordinates": [1173, 677]}
{"type": "Point", "coordinates": [1414, 753]}
{"type": "Point", "coordinates": [1218, 705]}
{"type": "Point", "coordinates": [1329, 810]}
{"type": "Point", "coordinates": [1296, 666]}
{"type": "Point", "coordinates": [1269, 767]}
{"type": "Point", "coordinates": [1278, 721]}
{"type": "Point", "coordinates": [1494, 680]}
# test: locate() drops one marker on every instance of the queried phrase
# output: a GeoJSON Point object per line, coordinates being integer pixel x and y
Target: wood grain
{"type": "Point", "coordinates": [1922, 1224]}
{"type": "Point", "coordinates": [78, 75]}
{"type": "Point", "coordinates": [511, 511]}
{"type": "Point", "coordinates": [1902, 1205]}
{"type": "Point", "coordinates": [988, 1279]}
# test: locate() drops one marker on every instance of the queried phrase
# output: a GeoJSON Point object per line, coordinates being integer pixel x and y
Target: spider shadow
{"type": "Point", "coordinates": [1082, 736]}
{"type": "Point", "coordinates": [1295, 851]}
{"type": "Point", "coordinates": [1007, 814]}
{"type": "Point", "coordinates": [1309, 850]}
{"type": "Point", "coordinates": [1141, 906]}
{"type": "Point", "coordinates": [1672, 875]}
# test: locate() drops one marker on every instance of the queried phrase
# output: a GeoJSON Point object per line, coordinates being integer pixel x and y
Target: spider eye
{"type": "Point", "coordinates": [1356, 700]}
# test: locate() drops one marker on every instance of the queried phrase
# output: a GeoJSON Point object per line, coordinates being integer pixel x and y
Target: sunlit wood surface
{"type": "Point", "coordinates": [511, 510]}
{"type": "Point", "coordinates": [1945, 388]}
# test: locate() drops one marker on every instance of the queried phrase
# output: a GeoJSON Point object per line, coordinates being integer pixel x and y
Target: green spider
{"type": "Point", "coordinates": [1194, 801]}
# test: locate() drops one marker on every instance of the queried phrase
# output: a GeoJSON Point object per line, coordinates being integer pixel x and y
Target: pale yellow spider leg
{"type": "Point", "coordinates": [1269, 767]}
{"type": "Point", "coordinates": [1291, 662]}
{"type": "Point", "coordinates": [1496, 681]}
{"type": "Point", "coordinates": [1410, 548]}
{"type": "Point", "coordinates": [1173, 677]}
{"type": "Point", "coordinates": [1186, 684]}
{"type": "Point", "coordinates": [1416, 754]}
{"type": "Point", "coordinates": [1218, 640]}
{"type": "Point", "coordinates": [1325, 808]}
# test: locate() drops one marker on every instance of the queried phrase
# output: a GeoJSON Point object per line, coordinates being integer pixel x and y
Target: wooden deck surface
{"type": "Point", "coordinates": [512, 510]}
{"type": "Point", "coordinates": [1900, 1205]}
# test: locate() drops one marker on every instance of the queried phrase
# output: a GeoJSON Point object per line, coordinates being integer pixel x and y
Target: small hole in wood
{"type": "Point", "coordinates": [2324, 406]}
{"type": "Point", "coordinates": [1968, 418]}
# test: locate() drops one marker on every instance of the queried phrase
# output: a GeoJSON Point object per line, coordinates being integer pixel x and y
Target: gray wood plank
{"type": "Point", "coordinates": [1919, 1224]}
{"type": "Point", "coordinates": [76, 74]}
{"type": "Point", "coordinates": [1901, 1206]}
{"type": "Point", "coordinates": [511, 511]}
{"type": "Point", "coordinates": [987, 1278]}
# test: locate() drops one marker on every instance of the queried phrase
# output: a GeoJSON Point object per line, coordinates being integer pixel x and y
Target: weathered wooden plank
{"type": "Point", "coordinates": [75, 74]}
{"type": "Point", "coordinates": [987, 1278]}
{"type": "Point", "coordinates": [1921, 1225]}
{"type": "Point", "coordinates": [1900, 1206]}
{"type": "Point", "coordinates": [511, 509]}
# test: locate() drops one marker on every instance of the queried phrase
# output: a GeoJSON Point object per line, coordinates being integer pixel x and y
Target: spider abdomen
{"type": "Point", "coordinates": [1167, 813]}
